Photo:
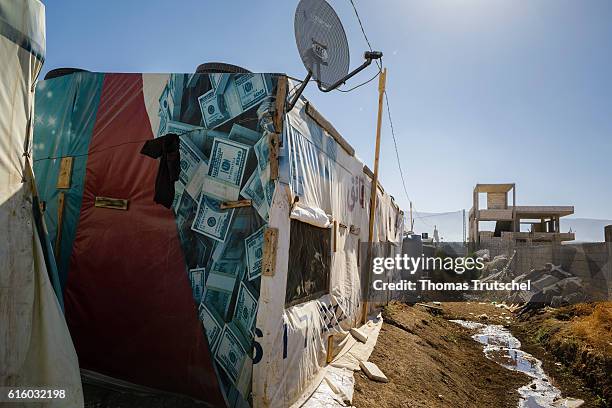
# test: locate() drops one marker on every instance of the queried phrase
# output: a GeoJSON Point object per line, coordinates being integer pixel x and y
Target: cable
{"type": "Point", "coordinates": [109, 147]}
{"type": "Point", "coordinates": [439, 214]}
{"type": "Point", "coordinates": [379, 64]}
{"type": "Point", "coordinates": [396, 150]}
{"type": "Point", "coordinates": [360, 85]}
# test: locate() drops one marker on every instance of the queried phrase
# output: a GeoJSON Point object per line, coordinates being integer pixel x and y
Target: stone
{"type": "Point", "coordinates": [372, 371]}
{"type": "Point", "coordinates": [359, 335]}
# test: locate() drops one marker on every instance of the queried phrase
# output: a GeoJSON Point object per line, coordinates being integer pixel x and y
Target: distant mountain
{"type": "Point", "coordinates": [586, 229]}
{"type": "Point", "coordinates": [450, 226]}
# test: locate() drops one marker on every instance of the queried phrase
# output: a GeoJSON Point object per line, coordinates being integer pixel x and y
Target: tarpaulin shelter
{"type": "Point", "coordinates": [35, 347]}
{"type": "Point", "coordinates": [230, 294]}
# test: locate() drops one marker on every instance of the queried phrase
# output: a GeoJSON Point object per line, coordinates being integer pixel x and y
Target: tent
{"type": "Point", "coordinates": [229, 295]}
{"type": "Point", "coordinates": [35, 347]}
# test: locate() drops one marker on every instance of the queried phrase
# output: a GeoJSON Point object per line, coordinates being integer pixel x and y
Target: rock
{"type": "Point", "coordinates": [372, 371]}
{"type": "Point", "coordinates": [483, 316]}
{"type": "Point", "coordinates": [483, 253]}
{"type": "Point", "coordinates": [544, 281]}
{"type": "Point", "coordinates": [568, 403]}
{"type": "Point", "coordinates": [359, 335]}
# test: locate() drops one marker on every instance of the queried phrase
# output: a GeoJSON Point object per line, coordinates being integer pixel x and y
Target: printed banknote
{"type": "Point", "coordinates": [254, 252]}
{"type": "Point", "coordinates": [226, 169]}
{"type": "Point", "coordinates": [211, 220]}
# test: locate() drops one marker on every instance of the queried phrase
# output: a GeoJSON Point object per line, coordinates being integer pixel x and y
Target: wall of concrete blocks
{"type": "Point", "coordinates": [592, 262]}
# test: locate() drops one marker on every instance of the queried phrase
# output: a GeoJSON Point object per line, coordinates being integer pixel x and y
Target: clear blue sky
{"type": "Point", "coordinates": [480, 90]}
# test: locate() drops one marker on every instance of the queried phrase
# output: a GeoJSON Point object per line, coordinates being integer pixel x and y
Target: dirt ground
{"type": "Point", "coordinates": [575, 346]}
{"type": "Point", "coordinates": [431, 362]}
{"type": "Point", "coordinates": [531, 331]}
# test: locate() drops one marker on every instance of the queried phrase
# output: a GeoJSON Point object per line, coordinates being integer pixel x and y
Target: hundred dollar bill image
{"type": "Point", "coordinates": [197, 277]}
{"type": "Point", "coordinates": [219, 82]}
{"type": "Point", "coordinates": [254, 251]}
{"type": "Point", "coordinates": [211, 324]}
{"type": "Point", "coordinates": [217, 300]}
{"type": "Point", "coordinates": [231, 249]}
{"type": "Point", "coordinates": [179, 190]}
{"type": "Point", "coordinates": [251, 88]}
{"type": "Point", "coordinates": [245, 311]}
{"type": "Point", "coordinates": [231, 268]}
{"type": "Point", "coordinates": [230, 354]}
{"type": "Point", "coordinates": [220, 286]}
{"type": "Point", "coordinates": [163, 122]}
{"type": "Point", "coordinates": [254, 191]}
{"type": "Point", "coordinates": [225, 169]}
{"type": "Point", "coordinates": [181, 128]}
{"type": "Point", "coordinates": [194, 186]}
{"type": "Point", "coordinates": [191, 157]}
{"type": "Point", "coordinates": [244, 135]}
{"type": "Point", "coordinates": [211, 220]}
{"type": "Point", "coordinates": [214, 111]}
{"type": "Point", "coordinates": [262, 151]}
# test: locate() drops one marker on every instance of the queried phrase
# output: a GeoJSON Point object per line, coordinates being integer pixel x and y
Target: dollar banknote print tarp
{"type": "Point", "coordinates": [160, 297]}
{"type": "Point", "coordinates": [178, 299]}
{"type": "Point", "coordinates": [35, 345]}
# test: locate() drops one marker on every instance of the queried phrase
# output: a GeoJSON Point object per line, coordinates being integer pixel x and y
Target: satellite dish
{"type": "Point", "coordinates": [321, 41]}
{"type": "Point", "coordinates": [323, 47]}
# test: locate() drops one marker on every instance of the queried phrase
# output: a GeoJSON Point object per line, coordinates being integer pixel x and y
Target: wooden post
{"type": "Point", "coordinates": [335, 236]}
{"type": "Point", "coordinates": [268, 262]}
{"type": "Point", "coordinates": [374, 188]}
{"type": "Point", "coordinates": [330, 349]}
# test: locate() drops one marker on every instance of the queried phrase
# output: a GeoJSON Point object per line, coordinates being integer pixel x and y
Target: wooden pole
{"type": "Point", "coordinates": [373, 189]}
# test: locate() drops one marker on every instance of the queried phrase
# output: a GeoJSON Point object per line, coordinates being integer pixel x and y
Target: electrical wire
{"type": "Point", "coordinates": [379, 64]}
{"type": "Point", "coordinates": [360, 85]}
{"type": "Point", "coordinates": [396, 149]}
{"type": "Point", "coordinates": [109, 147]}
{"type": "Point", "coordinates": [380, 67]}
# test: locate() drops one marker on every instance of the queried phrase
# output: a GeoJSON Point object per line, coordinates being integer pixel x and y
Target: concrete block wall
{"type": "Point", "coordinates": [592, 262]}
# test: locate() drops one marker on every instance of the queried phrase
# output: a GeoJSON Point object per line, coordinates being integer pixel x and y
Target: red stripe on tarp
{"type": "Point", "coordinates": [128, 298]}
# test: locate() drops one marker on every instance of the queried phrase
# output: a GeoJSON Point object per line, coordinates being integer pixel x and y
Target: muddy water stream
{"type": "Point", "coordinates": [502, 347]}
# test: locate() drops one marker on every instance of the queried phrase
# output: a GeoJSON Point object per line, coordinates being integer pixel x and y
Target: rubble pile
{"type": "Point", "coordinates": [551, 285]}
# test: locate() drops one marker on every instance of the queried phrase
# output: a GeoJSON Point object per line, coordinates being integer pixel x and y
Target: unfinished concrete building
{"type": "Point", "coordinates": [514, 224]}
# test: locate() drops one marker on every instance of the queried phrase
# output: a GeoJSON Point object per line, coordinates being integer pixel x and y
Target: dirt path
{"type": "Point", "coordinates": [431, 362]}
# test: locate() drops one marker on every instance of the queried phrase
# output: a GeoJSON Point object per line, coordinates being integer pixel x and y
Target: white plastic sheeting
{"type": "Point", "coordinates": [35, 347]}
{"type": "Point", "coordinates": [336, 389]}
{"type": "Point", "coordinates": [293, 341]}
{"type": "Point", "coordinates": [310, 215]}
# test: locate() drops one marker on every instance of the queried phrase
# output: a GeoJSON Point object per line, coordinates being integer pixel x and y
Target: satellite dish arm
{"type": "Point", "coordinates": [298, 92]}
{"type": "Point", "coordinates": [369, 57]}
